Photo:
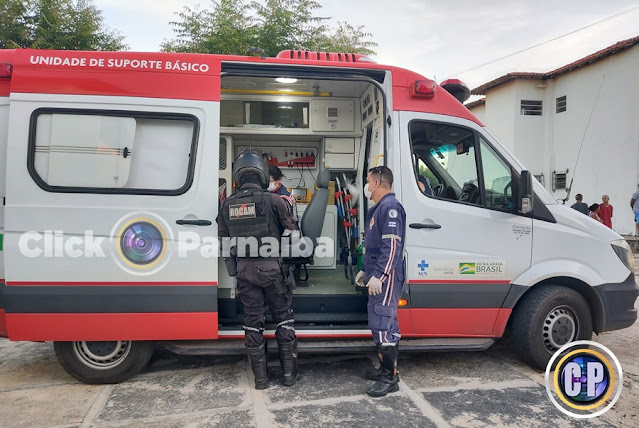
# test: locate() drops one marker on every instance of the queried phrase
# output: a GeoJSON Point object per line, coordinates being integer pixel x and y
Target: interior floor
{"type": "Point", "coordinates": [326, 281]}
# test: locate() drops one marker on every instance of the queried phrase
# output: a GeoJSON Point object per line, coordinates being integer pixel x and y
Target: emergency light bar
{"type": "Point", "coordinates": [323, 56]}
{"type": "Point", "coordinates": [6, 69]}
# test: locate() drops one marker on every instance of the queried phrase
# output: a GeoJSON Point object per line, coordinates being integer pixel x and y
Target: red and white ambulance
{"type": "Point", "coordinates": [113, 166]}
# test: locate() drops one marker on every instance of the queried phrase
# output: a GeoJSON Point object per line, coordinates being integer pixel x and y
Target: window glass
{"type": "Point", "coordinates": [448, 154]}
{"type": "Point", "coordinates": [426, 180]}
{"type": "Point", "coordinates": [264, 114]}
{"type": "Point", "coordinates": [497, 178]}
{"type": "Point", "coordinates": [113, 152]}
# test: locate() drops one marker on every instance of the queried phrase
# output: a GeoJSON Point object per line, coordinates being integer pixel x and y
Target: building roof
{"type": "Point", "coordinates": [475, 103]}
{"type": "Point", "coordinates": [590, 59]}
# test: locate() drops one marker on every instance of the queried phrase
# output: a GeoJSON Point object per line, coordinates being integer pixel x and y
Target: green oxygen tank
{"type": "Point", "coordinates": [360, 256]}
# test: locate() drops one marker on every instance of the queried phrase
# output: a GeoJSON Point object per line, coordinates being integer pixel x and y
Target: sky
{"type": "Point", "coordinates": [438, 39]}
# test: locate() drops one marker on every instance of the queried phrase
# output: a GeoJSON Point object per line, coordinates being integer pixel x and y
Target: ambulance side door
{"type": "Point", "coordinates": [465, 243]}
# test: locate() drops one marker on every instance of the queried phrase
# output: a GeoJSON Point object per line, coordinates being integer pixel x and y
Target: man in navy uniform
{"type": "Point", "coordinates": [383, 274]}
{"type": "Point", "coordinates": [253, 212]}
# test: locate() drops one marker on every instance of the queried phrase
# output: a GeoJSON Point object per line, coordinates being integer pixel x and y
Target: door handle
{"type": "Point", "coordinates": [424, 226]}
{"type": "Point", "coordinates": [194, 222]}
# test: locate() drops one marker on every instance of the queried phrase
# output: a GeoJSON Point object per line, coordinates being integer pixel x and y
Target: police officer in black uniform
{"type": "Point", "coordinates": [254, 214]}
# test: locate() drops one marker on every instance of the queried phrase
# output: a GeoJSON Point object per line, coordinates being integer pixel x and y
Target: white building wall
{"type": "Point", "coordinates": [500, 114]}
{"type": "Point", "coordinates": [529, 142]}
{"type": "Point", "coordinates": [609, 160]}
{"type": "Point", "coordinates": [479, 112]}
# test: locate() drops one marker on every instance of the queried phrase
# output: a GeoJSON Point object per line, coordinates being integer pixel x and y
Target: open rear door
{"type": "Point", "coordinates": [109, 202]}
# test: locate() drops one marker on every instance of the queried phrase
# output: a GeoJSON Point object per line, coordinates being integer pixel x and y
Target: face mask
{"type": "Point", "coordinates": [272, 186]}
{"type": "Point", "coordinates": [368, 193]}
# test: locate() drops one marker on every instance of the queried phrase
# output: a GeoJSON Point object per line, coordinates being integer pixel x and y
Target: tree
{"type": "Point", "coordinates": [56, 24]}
{"type": "Point", "coordinates": [232, 26]}
{"type": "Point", "coordinates": [227, 29]}
{"type": "Point", "coordinates": [347, 38]}
{"type": "Point", "coordinates": [15, 24]}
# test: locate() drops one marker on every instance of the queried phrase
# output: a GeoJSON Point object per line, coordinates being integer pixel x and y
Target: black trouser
{"type": "Point", "coordinates": [261, 285]}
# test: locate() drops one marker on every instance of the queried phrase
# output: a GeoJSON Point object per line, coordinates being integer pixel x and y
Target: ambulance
{"type": "Point", "coordinates": [113, 166]}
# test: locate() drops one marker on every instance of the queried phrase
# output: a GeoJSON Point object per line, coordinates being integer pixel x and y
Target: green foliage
{"type": "Point", "coordinates": [233, 26]}
{"type": "Point", "coordinates": [15, 23]}
{"type": "Point", "coordinates": [55, 24]}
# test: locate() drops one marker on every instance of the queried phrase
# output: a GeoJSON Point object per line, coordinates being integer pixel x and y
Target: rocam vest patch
{"type": "Point", "coordinates": [249, 214]}
{"type": "Point", "coordinates": [241, 211]}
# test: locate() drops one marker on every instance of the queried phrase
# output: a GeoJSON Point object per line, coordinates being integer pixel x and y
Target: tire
{"type": "Point", "coordinates": [103, 362]}
{"type": "Point", "coordinates": [547, 318]}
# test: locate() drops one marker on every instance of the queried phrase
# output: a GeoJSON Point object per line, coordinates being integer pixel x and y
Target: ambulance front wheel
{"type": "Point", "coordinates": [547, 318]}
{"type": "Point", "coordinates": [103, 362]}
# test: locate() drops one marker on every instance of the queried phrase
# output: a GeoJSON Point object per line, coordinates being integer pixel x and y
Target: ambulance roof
{"type": "Point", "coordinates": [153, 74]}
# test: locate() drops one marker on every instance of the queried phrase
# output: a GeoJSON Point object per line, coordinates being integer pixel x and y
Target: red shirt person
{"type": "Point", "coordinates": [605, 211]}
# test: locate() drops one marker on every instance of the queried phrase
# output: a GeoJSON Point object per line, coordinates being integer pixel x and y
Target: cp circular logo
{"type": "Point", "coordinates": [584, 380]}
{"type": "Point", "coordinates": [140, 243]}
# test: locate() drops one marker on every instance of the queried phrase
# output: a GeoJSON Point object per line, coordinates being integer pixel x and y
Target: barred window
{"type": "Point", "coordinates": [531, 108]}
{"type": "Point", "coordinates": [561, 104]}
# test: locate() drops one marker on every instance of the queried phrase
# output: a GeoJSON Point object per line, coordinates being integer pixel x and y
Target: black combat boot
{"type": "Point", "coordinates": [375, 373]}
{"type": "Point", "coordinates": [389, 380]}
{"type": "Point", "coordinates": [259, 364]}
{"type": "Point", "coordinates": [288, 359]}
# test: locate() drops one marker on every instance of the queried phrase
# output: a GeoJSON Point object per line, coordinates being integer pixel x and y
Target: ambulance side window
{"type": "Point", "coordinates": [497, 178]}
{"type": "Point", "coordinates": [446, 155]}
{"type": "Point", "coordinates": [112, 152]}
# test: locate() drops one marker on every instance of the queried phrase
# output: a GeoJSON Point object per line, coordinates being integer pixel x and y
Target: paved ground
{"type": "Point", "coordinates": [490, 388]}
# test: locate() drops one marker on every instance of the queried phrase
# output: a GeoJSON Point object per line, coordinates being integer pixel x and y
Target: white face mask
{"type": "Point", "coordinates": [272, 186]}
{"type": "Point", "coordinates": [368, 193]}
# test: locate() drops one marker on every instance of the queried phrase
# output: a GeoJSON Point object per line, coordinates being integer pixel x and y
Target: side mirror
{"type": "Point", "coordinates": [525, 198]}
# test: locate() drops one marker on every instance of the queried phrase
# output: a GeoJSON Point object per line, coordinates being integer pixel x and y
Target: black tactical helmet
{"type": "Point", "coordinates": [249, 162]}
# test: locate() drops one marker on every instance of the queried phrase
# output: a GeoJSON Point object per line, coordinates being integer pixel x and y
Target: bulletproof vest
{"type": "Point", "coordinates": [248, 214]}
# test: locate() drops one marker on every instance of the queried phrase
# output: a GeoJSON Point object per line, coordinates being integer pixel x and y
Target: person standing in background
{"type": "Point", "coordinates": [605, 211]}
{"type": "Point", "coordinates": [593, 212]}
{"type": "Point", "coordinates": [580, 205]}
{"type": "Point", "coordinates": [635, 208]}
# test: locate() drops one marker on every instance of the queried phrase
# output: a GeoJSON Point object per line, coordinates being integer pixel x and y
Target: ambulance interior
{"type": "Point", "coordinates": [304, 126]}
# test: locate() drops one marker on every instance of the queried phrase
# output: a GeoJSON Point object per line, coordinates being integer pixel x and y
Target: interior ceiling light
{"type": "Point", "coordinates": [285, 79]}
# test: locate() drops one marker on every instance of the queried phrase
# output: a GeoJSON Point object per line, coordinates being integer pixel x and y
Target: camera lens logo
{"type": "Point", "coordinates": [583, 379]}
{"type": "Point", "coordinates": [141, 243]}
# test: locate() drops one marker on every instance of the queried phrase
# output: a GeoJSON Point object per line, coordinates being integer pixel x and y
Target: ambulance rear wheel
{"type": "Point", "coordinates": [103, 362]}
{"type": "Point", "coordinates": [546, 319]}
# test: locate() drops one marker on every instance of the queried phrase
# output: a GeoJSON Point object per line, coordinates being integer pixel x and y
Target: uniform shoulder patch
{"type": "Point", "coordinates": [392, 213]}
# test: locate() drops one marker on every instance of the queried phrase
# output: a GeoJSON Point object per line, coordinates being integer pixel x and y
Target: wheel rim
{"type": "Point", "coordinates": [560, 327]}
{"type": "Point", "coordinates": [102, 355]}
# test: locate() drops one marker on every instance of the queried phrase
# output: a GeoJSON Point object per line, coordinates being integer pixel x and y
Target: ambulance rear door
{"type": "Point", "coordinates": [112, 190]}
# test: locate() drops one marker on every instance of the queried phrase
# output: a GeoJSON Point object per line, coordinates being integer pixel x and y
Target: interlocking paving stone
{"type": "Point", "coordinates": [510, 407]}
{"type": "Point", "coordinates": [176, 392]}
{"type": "Point", "coordinates": [30, 363]}
{"type": "Point", "coordinates": [164, 360]}
{"type": "Point", "coordinates": [389, 411]}
{"type": "Point", "coordinates": [429, 370]}
{"type": "Point", "coordinates": [321, 380]}
{"type": "Point", "coordinates": [46, 406]}
{"type": "Point", "coordinates": [235, 419]}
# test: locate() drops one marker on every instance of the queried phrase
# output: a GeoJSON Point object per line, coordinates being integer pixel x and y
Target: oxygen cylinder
{"type": "Point", "coordinates": [360, 256]}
